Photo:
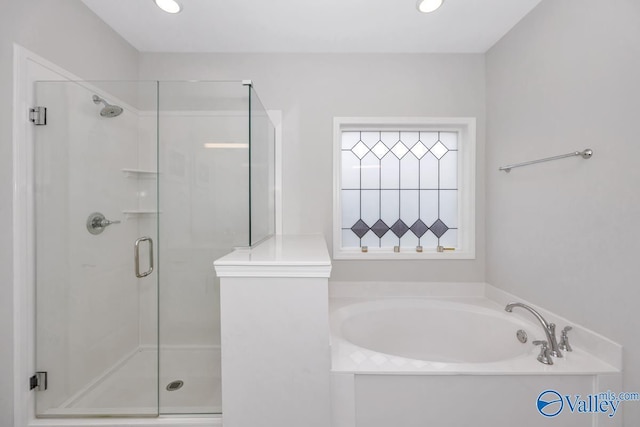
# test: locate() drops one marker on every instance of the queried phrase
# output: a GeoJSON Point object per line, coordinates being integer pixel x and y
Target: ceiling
{"type": "Point", "coordinates": [372, 26]}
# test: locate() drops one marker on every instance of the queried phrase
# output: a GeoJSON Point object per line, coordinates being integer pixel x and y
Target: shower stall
{"type": "Point", "coordinates": [139, 187]}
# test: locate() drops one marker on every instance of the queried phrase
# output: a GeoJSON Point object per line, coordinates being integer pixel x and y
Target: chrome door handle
{"type": "Point", "coordinates": [137, 256]}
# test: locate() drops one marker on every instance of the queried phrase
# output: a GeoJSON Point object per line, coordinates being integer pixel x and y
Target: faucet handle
{"type": "Point", "coordinates": [544, 356]}
{"type": "Point", "coordinates": [564, 339]}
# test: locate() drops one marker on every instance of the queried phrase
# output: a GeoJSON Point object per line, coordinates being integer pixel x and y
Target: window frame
{"type": "Point", "coordinates": [466, 129]}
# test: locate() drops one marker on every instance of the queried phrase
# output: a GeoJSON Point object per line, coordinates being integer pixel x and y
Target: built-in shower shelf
{"type": "Point", "coordinates": [138, 212]}
{"type": "Point", "coordinates": [139, 173]}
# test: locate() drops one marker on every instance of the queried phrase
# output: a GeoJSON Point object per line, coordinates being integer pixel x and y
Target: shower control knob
{"type": "Point", "coordinates": [96, 223]}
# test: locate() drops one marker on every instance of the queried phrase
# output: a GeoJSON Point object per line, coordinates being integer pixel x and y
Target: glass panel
{"type": "Point", "coordinates": [389, 240]}
{"type": "Point", "coordinates": [429, 240]}
{"type": "Point", "coordinates": [390, 172]}
{"type": "Point", "coordinates": [370, 172]}
{"type": "Point", "coordinates": [409, 206]}
{"type": "Point", "coordinates": [450, 239]}
{"type": "Point", "coordinates": [371, 240]}
{"type": "Point", "coordinates": [370, 139]}
{"type": "Point", "coordinates": [350, 170]}
{"type": "Point", "coordinates": [370, 206]}
{"type": "Point", "coordinates": [409, 241]}
{"type": "Point", "coordinates": [449, 139]}
{"type": "Point", "coordinates": [204, 205]}
{"type": "Point", "coordinates": [409, 173]}
{"type": "Point", "coordinates": [449, 207]}
{"type": "Point", "coordinates": [262, 164]}
{"type": "Point", "coordinates": [350, 207]}
{"type": "Point", "coordinates": [428, 206]}
{"type": "Point", "coordinates": [349, 239]}
{"type": "Point", "coordinates": [390, 206]}
{"type": "Point", "coordinates": [350, 139]}
{"type": "Point", "coordinates": [429, 172]}
{"type": "Point", "coordinates": [390, 138]}
{"type": "Point", "coordinates": [410, 138]}
{"type": "Point", "coordinates": [449, 171]}
{"type": "Point", "coordinates": [429, 139]}
{"type": "Point", "coordinates": [96, 323]}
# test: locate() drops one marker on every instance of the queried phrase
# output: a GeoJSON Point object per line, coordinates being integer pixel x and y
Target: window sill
{"type": "Point", "coordinates": [377, 255]}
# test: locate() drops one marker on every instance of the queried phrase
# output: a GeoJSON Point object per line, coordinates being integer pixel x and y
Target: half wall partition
{"type": "Point", "coordinates": [139, 186]}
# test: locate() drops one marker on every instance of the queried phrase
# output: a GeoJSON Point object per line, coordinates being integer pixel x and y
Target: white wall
{"type": "Point", "coordinates": [68, 34]}
{"type": "Point", "coordinates": [312, 89]}
{"type": "Point", "coordinates": [564, 234]}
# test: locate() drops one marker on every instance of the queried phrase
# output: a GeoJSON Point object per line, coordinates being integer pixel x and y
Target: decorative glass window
{"type": "Point", "coordinates": [404, 188]}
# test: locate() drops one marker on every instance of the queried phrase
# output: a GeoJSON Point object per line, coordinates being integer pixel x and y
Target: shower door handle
{"type": "Point", "coordinates": [137, 256]}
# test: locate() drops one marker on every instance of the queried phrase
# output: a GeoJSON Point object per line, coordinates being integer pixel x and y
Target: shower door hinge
{"type": "Point", "coordinates": [38, 115]}
{"type": "Point", "coordinates": [38, 381]}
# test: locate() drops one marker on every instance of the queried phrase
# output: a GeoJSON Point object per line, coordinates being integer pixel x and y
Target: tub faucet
{"type": "Point", "coordinates": [549, 328]}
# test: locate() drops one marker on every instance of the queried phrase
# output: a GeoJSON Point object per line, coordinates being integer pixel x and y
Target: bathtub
{"type": "Point", "coordinates": [431, 335]}
{"type": "Point", "coordinates": [435, 332]}
{"type": "Point", "coordinates": [454, 360]}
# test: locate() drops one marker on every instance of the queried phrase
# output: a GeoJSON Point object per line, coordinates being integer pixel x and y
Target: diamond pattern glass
{"type": "Point", "coordinates": [360, 150]}
{"type": "Point", "coordinates": [439, 228]}
{"type": "Point", "coordinates": [380, 150]}
{"type": "Point", "coordinates": [380, 228]}
{"type": "Point", "coordinates": [399, 150]}
{"type": "Point", "coordinates": [419, 228]}
{"type": "Point", "coordinates": [419, 150]}
{"type": "Point", "coordinates": [382, 184]}
{"type": "Point", "coordinates": [399, 228]}
{"type": "Point", "coordinates": [360, 228]}
{"type": "Point", "coordinates": [439, 150]}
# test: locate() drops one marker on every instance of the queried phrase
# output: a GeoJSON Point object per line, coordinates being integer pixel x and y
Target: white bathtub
{"type": "Point", "coordinates": [433, 330]}
{"type": "Point", "coordinates": [454, 360]}
{"type": "Point", "coordinates": [443, 335]}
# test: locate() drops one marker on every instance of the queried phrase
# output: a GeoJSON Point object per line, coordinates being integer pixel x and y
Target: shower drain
{"type": "Point", "coordinates": [175, 385]}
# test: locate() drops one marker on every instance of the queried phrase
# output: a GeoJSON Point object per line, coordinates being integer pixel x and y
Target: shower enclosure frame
{"type": "Point", "coordinates": [28, 68]}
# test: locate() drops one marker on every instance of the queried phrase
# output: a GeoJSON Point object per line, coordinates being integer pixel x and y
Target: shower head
{"type": "Point", "coordinates": [108, 110]}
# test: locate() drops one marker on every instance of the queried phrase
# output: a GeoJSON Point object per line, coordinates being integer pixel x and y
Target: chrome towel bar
{"type": "Point", "coordinates": [585, 154]}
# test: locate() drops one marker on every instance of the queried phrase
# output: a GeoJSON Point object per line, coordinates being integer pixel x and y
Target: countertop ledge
{"type": "Point", "coordinates": [278, 256]}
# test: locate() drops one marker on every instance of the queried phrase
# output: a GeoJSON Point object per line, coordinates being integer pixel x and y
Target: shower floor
{"type": "Point", "coordinates": [132, 387]}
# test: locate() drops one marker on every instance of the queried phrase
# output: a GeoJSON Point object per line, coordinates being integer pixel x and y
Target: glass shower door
{"type": "Point", "coordinates": [95, 188]}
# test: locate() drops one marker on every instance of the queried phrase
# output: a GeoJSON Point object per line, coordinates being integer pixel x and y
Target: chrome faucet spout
{"type": "Point", "coordinates": [549, 328]}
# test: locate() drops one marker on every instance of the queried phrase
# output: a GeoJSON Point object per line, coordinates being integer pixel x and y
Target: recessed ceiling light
{"type": "Point", "coordinates": [169, 6]}
{"type": "Point", "coordinates": [428, 6]}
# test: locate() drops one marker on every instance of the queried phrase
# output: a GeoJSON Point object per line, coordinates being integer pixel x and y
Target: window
{"type": "Point", "coordinates": [404, 188]}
